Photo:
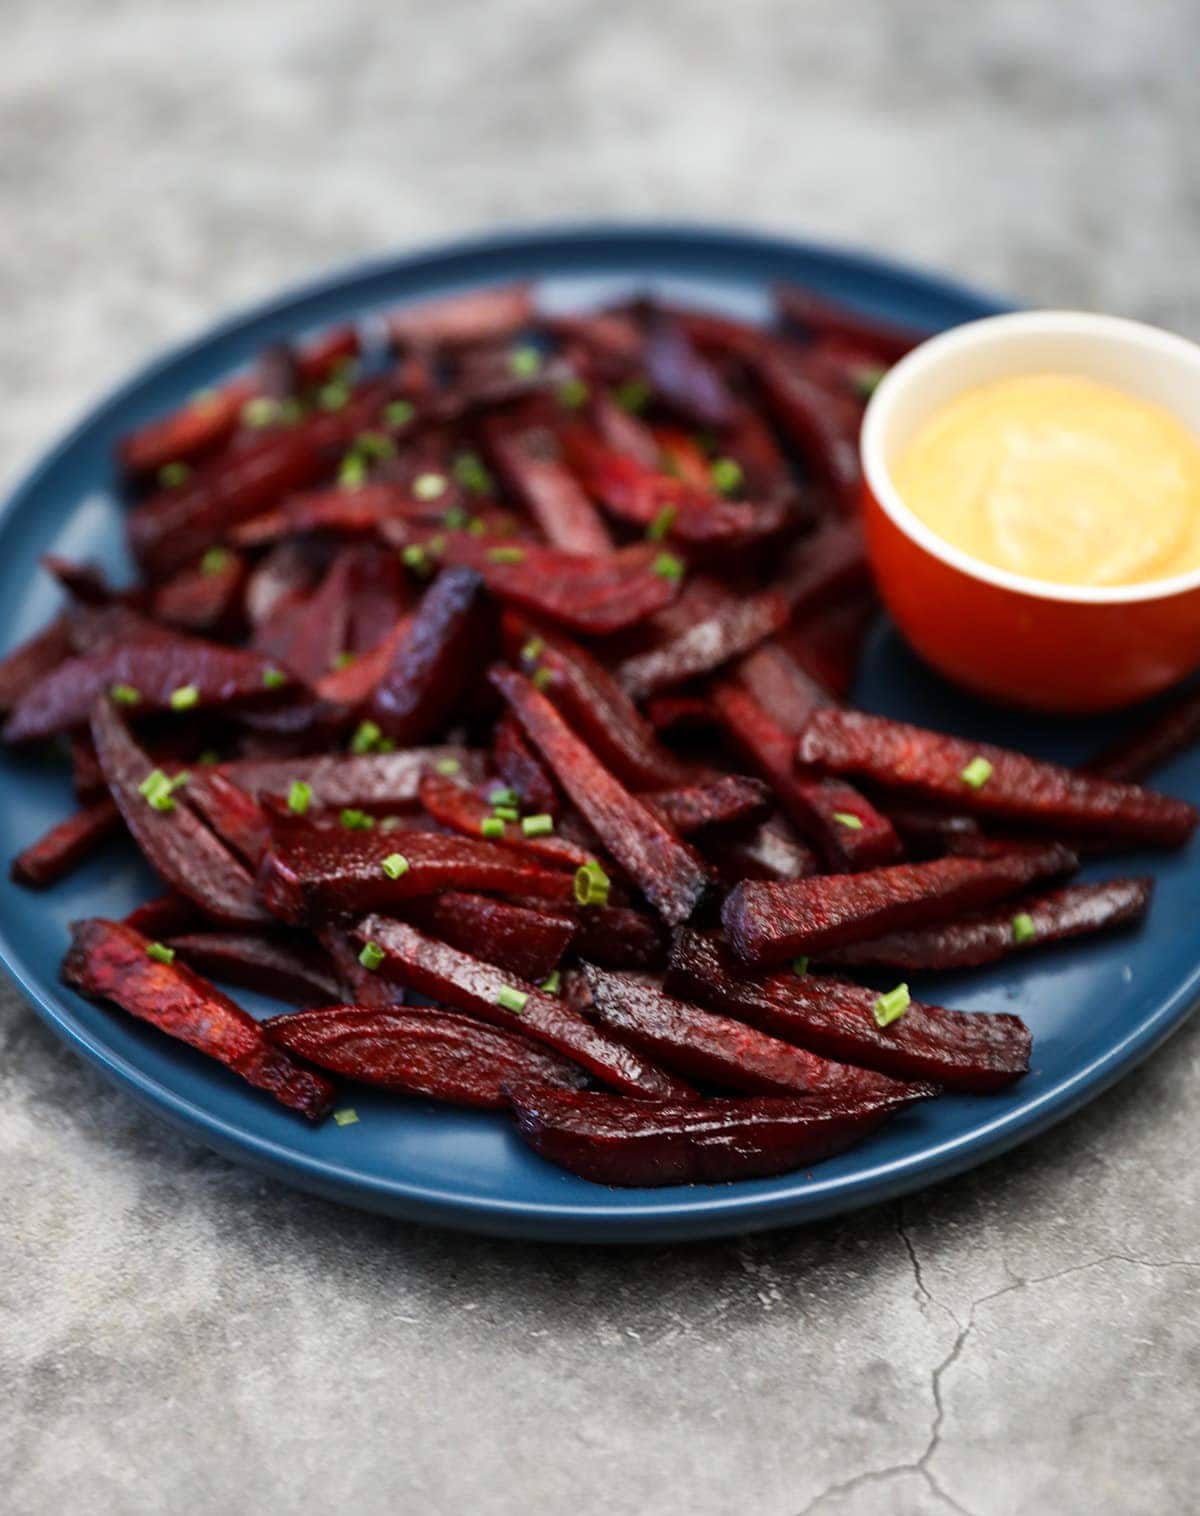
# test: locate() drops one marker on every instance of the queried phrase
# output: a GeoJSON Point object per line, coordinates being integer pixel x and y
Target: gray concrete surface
{"type": "Point", "coordinates": [179, 1335]}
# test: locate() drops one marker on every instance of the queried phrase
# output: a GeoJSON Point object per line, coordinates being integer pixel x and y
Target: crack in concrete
{"type": "Point", "coordinates": [920, 1465]}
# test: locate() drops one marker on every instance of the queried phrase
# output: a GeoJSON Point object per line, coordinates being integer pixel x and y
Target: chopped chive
{"type": "Point", "coordinates": [849, 820]}
{"type": "Point", "coordinates": [977, 773]}
{"type": "Point", "coordinates": [274, 679]}
{"type": "Point", "coordinates": [209, 756]}
{"type": "Point", "coordinates": [542, 678]}
{"type": "Point", "coordinates": [160, 952]}
{"type": "Point", "coordinates": [1023, 928]}
{"type": "Point", "coordinates": [356, 821]}
{"type": "Point", "coordinates": [506, 555]}
{"type": "Point", "coordinates": [511, 1000]}
{"type": "Point", "coordinates": [124, 694]}
{"type": "Point", "coordinates": [154, 780]}
{"type": "Point", "coordinates": [552, 983]}
{"type": "Point", "coordinates": [436, 545]}
{"type": "Point", "coordinates": [668, 566]}
{"type": "Point", "coordinates": [533, 650]}
{"type": "Point", "coordinates": [662, 523]}
{"type": "Point", "coordinates": [366, 738]}
{"type": "Point", "coordinates": [455, 518]}
{"type": "Point", "coordinates": [477, 526]}
{"type": "Point", "coordinates": [353, 471]}
{"type": "Point", "coordinates": [591, 884]}
{"type": "Point", "coordinates": [158, 789]}
{"type": "Point", "coordinates": [491, 826]}
{"type": "Point", "coordinates": [390, 824]}
{"type": "Point", "coordinates": [669, 464]}
{"type": "Point", "coordinates": [291, 411]}
{"type": "Point", "coordinates": [172, 475]}
{"type": "Point", "coordinates": [633, 395]}
{"type": "Point", "coordinates": [865, 380]}
{"type": "Point", "coordinates": [260, 411]}
{"type": "Point", "coordinates": [299, 797]}
{"type": "Point", "coordinates": [506, 812]}
{"type": "Point", "coordinates": [399, 412]}
{"type": "Point", "coordinates": [416, 558]}
{"type": "Point", "coordinates": [892, 1006]}
{"type": "Point", "coordinates": [447, 766]}
{"type": "Point", "coordinates": [800, 967]}
{"type": "Point", "coordinates": [726, 475]}
{"type": "Point", "coordinates": [347, 1116]}
{"type": "Point", "coordinates": [216, 560]}
{"type": "Point", "coordinates": [471, 474]}
{"type": "Point", "coordinates": [503, 794]}
{"type": "Point", "coordinates": [395, 865]}
{"type": "Point", "coordinates": [429, 486]}
{"type": "Point", "coordinates": [375, 445]}
{"type": "Point", "coordinates": [541, 825]}
{"type": "Point", "coordinates": [334, 395]}
{"type": "Point", "coordinates": [343, 660]}
{"type": "Point", "coordinates": [573, 393]}
{"type": "Point", "coordinates": [185, 697]}
{"type": "Point", "coordinates": [525, 362]}
{"type": "Point", "coordinates": [371, 956]}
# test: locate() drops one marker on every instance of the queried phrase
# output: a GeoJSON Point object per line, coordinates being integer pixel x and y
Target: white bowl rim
{"type": "Point", "coordinates": [946, 347]}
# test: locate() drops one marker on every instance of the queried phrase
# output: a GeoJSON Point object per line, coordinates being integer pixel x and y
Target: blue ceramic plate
{"type": "Point", "coordinates": [1095, 1010]}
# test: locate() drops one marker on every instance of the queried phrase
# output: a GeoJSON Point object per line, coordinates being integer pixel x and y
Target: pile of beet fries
{"type": "Point", "coordinates": [504, 665]}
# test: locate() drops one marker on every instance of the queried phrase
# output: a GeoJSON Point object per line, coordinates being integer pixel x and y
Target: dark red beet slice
{"type": "Point", "coordinates": [166, 916]}
{"type": "Point", "coordinates": [235, 816]}
{"type": "Point", "coordinates": [773, 851]}
{"type": "Point", "coordinates": [820, 423]}
{"type": "Point", "coordinates": [110, 961]}
{"type": "Point", "coordinates": [768, 923]}
{"type": "Point", "coordinates": [287, 967]}
{"type": "Point", "coordinates": [66, 845]}
{"type": "Point", "coordinates": [823, 569]}
{"type": "Point", "coordinates": [419, 1051]}
{"type": "Point", "coordinates": [609, 1140]}
{"type": "Point", "coordinates": [733, 800]}
{"type": "Point", "coordinates": [446, 974]}
{"type": "Point", "coordinates": [315, 873]}
{"type": "Point", "coordinates": [684, 378]}
{"type": "Point", "coordinates": [32, 661]}
{"type": "Point", "coordinates": [174, 842]}
{"type": "Point", "coordinates": [204, 598]}
{"type": "Point", "coordinates": [370, 781]}
{"type": "Point", "coordinates": [522, 770]}
{"type": "Point", "coordinates": [773, 677]}
{"type": "Point", "coordinates": [721, 1051]}
{"type": "Point", "coordinates": [963, 1051]}
{"type": "Point", "coordinates": [1172, 730]}
{"type": "Point", "coordinates": [821, 317]}
{"type": "Point", "coordinates": [734, 627]}
{"type": "Point", "coordinates": [527, 457]}
{"type": "Point", "coordinates": [360, 986]}
{"type": "Point", "coordinates": [668, 872]}
{"type": "Point", "coordinates": [220, 676]}
{"type": "Point", "coordinates": [1010, 786]}
{"type": "Point", "coordinates": [444, 646]}
{"type": "Point", "coordinates": [462, 319]}
{"type": "Point", "coordinates": [1078, 910]}
{"type": "Point", "coordinates": [618, 938]}
{"type": "Point", "coordinates": [462, 810]}
{"type": "Point", "coordinates": [528, 941]}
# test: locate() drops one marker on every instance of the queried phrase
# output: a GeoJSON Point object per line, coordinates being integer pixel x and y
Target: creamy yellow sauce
{"type": "Point", "coordinates": [1061, 479]}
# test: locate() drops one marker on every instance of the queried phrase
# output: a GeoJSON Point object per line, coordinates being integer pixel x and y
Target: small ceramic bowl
{"type": "Point", "coordinates": [1046, 646]}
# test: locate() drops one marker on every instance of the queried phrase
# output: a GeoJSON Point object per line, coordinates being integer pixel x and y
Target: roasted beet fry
{"type": "Point", "coordinates": [527, 457]}
{"type": "Point", "coordinates": [731, 801]}
{"type": "Point", "coordinates": [735, 627]}
{"type": "Point", "coordinates": [31, 661]}
{"type": "Point", "coordinates": [1077, 910]}
{"type": "Point", "coordinates": [108, 961]}
{"type": "Point", "coordinates": [822, 317]}
{"type": "Point", "coordinates": [528, 940]}
{"type": "Point", "coordinates": [522, 770]}
{"type": "Point", "coordinates": [443, 973]}
{"type": "Point", "coordinates": [976, 1051]}
{"type": "Point", "coordinates": [630, 1142]}
{"type": "Point", "coordinates": [66, 845]}
{"type": "Point", "coordinates": [666, 870]}
{"type": "Point", "coordinates": [369, 781]}
{"type": "Point", "coordinates": [462, 319]}
{"type": "Point", "coordinates": [287, 966]}
{"type": "Point", "coordinates": [464, 811]}
{"type": "Point", "coordinates": [1173, 730]}
{"type": "Point", "coordinates": [767, 923]}
{"type": "Point", "coordinates": [419, 1051]}
{"type": "Point", "coordinates": [992, 781]}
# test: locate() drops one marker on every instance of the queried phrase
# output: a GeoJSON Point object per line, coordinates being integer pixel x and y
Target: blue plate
{"type": "Point", "coordinates": [1095, 1009]}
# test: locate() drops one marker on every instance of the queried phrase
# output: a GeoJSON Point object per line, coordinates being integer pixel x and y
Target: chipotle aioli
{"type": "Point", "coordinates": [1059, 478]}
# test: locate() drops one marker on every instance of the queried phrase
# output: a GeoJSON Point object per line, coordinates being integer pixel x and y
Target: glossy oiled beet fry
{"type": "Point", "coordinates": [288, 966]}
{"type": "Point", "coordinates": [360, 986]}
{"type": "Point", "coordinates": [166, 916]}
{"type": "Point", "coordinates": [684, 378]}
{"type": "Point", "coordinates": [206, 598]}
{"type": "Point", "coordinates": [230, 811]}
{"type": "Point", "coordinates": [522, 770]}
{"type": "Point", "coordinates": [771, 851]}
{"type": "Point", "coordinates": [721, 1051]}
{"type": "Point", "coordinates": [992, 781]}
{"type": "Point", "coordinates": [527, 939]}
{"type": "Point", "coordinates": [174, 841]}
{"type": "Point", "coordinates": [526, 456]}
{"type": "Point", "coordinates": [821, 317]}
{"type": "Point", "coordinates": [821, 424]}
{"type": "Point", "coordinates": [1077, 910]}
{"type": "Point", "coordinates": [731, 801]}
{"type": "Point", "coordinates": [369, 781]}
{"type": "Point", "coordinates": [667, 871]}
{"type": "Point", "coordinates": [975, 1051]}
{"type": "Point", "coordinates": [444, 973]}
{"type": "Point", "coordinates": [631, 1143]}
{"type": "Point", "coordinates": [767, 923]}
{"type": "Point", "coordinates": [31, 661]}
{"type": "Point", "coordinates": [738, 625]}
{"type": "Point", "coordinates": [421, 1051]}
{"type": "Point", "coordinates": [111, 961]}
{"type": "Point", "coordinates": [66, 845]}
{"type": "Point", "coordinates": [465, 811]}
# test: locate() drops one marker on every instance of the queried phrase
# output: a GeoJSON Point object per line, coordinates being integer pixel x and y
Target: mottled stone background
{"type": "Point", "coordinates": [179, 1335]}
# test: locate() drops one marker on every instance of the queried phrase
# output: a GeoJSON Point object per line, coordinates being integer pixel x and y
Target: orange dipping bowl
{"type": "Point", "coordinates": [1025, 641]}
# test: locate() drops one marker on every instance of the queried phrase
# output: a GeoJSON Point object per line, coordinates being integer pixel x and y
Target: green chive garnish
{"type": "Point", "coordinates": [503, 794]}
{"type": "Point", "coordinates": [477, 526]}
{"type": "Point", "coordinates": [726, 475]}
{"type": "Point", "coordinates": [541, 825]}
{"type": "Point", "coordinates": [399, 412]}
{"type": "Point", "coordinates": [416, 558]}
{"type": "Point", "coordinates": [209, 756]}
{"type": "Point", "coordinates": [395, 865]}
{"type": "Point", "coordinates": [525, 362]}
{"type": "Point", "coordinates": [573, 393]}
{"type": "Point", "coordinates": [366, 738]}
{"type": "Point", "coordinates": [800, 967]}
{"type": "Point", "coordinates": [511, 1000]}
{"type": "Point", "coordinates": [353, 471]}
{"type": "Point", "coordinates": [591, 884]}
{"type": "Point", "coordinates": [158, 789]}
{"type": "Point", "coordinates": [375, 445]}
{"type": "Point", "coordinates": [977, 773]}
{"type": "Point", "coordinates": [471, 474]}
{"type": "Point", "coordinates": [124, 694]}
{"type": "Point", "coordinates": [185, 697]}
{"type": "Point", "coordinates": [447, 766]}
{"type": "Point", "coordinates": [429, 486]}
{"type": "Point", "coordinates": [552, 983]}
{"type": "Point", "coordinates": [633, 395]}
{"type": "Point", "coordinates": [347, 1116]}
{"type": "Point", "coordinates": [455, 518]}
{"type": "Point", "coordinates": [216, 560]}
{"type": "Point", "coordinates": [356, 821]}
{"type": "Point", "coordinates": [172, 475]}
{"type": "Point", "coordinates": [299, 797]}
{"type": "Point", "coordinates": [849, 820]}
{"type": "Point", "coordinates": [334, 395]}
{"type": "Point", "coordinates": [160, 952]}
{"type": "Point", "coordinates": [1023, 928]}
{"type": "Point", "coordinates": [892, 1006]}
{"type": "Point", "coordinates": [371, 956]}
{"type": "Point", "coordinates": [542, 678]}
{"type": "Point", "coordinates": [261, 411]}
{"type": "Point", "coordinates": [533, 650]}
{"type": "Point", "coordinates": [343, 660]}
{"type": "Point", "coordinates": [661, 525]}
{"type": "Point", "coordinates": [866, 380]}
{"type": "Point", "coordinates": [274, 679]}
{"type": "Point", "coordinates": [506, 555]}
{"type": "Point", "coordinates": [506, 812]}
{"type": "Point", "coordinates": [491, 826]}
{"type": "Point", "coordinates": [668, 566]}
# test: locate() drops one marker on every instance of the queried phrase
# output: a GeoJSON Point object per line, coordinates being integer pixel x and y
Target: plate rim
{"type": "Point", "coordinates": [675, 1211]}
